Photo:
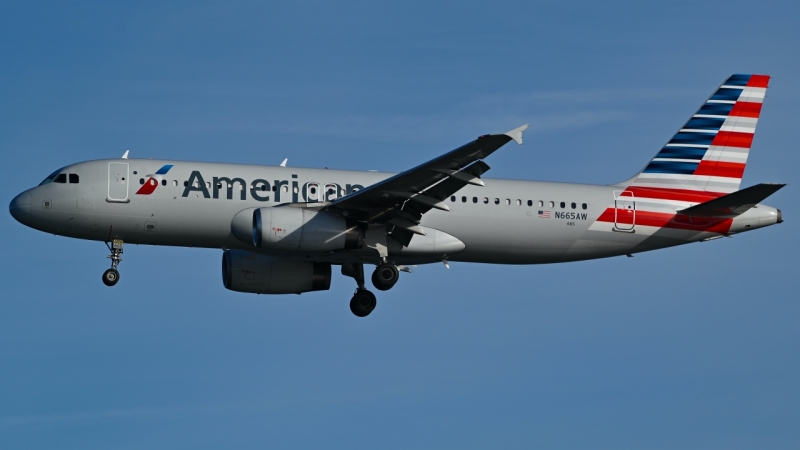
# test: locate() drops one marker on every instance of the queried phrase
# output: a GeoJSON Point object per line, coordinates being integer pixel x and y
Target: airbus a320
{"type": "Point", "coordinates": [281, 229]}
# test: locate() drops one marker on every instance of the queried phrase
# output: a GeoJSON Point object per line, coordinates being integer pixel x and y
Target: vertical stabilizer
{"type": "Point", "coordinates": [709, 153]}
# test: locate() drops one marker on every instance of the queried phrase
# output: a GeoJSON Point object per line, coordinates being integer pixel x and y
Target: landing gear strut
{"type": "Point", "coordinates": [111, 276]}
{"type": "Point", "coordinates": [363, 301]}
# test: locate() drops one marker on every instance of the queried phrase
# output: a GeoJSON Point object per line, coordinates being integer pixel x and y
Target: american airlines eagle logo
{"type": "Point", "coordinates": [153, 180]}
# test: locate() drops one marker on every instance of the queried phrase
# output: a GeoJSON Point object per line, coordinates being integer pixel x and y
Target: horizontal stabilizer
{"type": "Point", "coordinates": [734, 204]}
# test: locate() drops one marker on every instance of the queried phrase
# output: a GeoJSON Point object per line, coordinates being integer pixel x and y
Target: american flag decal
{"type": "Point", "coordinates": [544, 214]}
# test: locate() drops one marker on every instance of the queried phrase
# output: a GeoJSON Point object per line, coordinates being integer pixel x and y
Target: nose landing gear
{"type": "Point", "coordinates": [111, 276]}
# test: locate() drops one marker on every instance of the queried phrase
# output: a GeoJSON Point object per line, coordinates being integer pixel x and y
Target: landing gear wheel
{"type": "Point", "coordinates": [110, 277]}
{"type": "Point", "coordinates": [385, 276]}
{"type": "Point", "coordinates": [362, 303]}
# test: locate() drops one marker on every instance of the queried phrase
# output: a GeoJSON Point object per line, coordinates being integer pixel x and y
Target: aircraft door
{"type": "Point", "coordinates": [624, 210]}
{"type": "Point", "coordinates": [313, 193]}
{"type": "Point", "coordinates": [118, 181]}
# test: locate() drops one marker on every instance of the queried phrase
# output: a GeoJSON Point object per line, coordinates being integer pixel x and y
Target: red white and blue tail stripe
{"type": "Point", "coordinates": [709, 153]}
{"type": "Point", "coordinates": [704, 160]}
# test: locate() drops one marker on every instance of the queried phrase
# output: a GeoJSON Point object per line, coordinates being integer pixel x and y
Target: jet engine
{"type": "Point", "coordinates": [260, 274]}
{"type": "Point", "coordinates": [293, 229]}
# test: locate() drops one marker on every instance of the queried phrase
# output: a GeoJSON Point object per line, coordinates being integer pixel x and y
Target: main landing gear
{"type": "Point", "coordinates": [363, 302]}
{"type": "Point", "coordinates": [111, 276]}
{"type": "Point", "coordinates": [384, 277]}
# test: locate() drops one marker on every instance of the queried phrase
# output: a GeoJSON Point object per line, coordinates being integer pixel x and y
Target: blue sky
{"type": "Point", "coordinates": [691, 347]}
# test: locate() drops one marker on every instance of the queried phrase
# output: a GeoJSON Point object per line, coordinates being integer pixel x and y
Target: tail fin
{"type": "Point", "coordinates": [709, 152]}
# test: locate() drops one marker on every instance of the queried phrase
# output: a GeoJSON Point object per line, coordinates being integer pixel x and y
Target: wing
{"type": "Point", "coordinates": [401, 200]}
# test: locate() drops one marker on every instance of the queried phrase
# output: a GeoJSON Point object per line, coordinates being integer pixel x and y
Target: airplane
{"type": "Point", "coordinates": [281, 229]}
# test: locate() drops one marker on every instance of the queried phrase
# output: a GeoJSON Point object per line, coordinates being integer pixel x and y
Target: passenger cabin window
{"type": "Point", "coordinates": [463, 199]}
{"type": "Point", "coordinates": [486, 200]}
{"type": "Point", "coordinates": [563, 205]}
{"type": "Point", "coordinates": [452, 198]}
{"type": "Point", "coordinates": [141, 180]}
{"type": "Point", "coordinates": [332, 191]}
{"type": "Point", "coordinates": [508, 201]}
{"type": "Point", "coordinates": [519, 202]}
{"type": "Point", "coordinates": [583, 206]}
{"type": "Point", "coordinates": [541, 203]}
{"type": "Point", "coordinates": [73, 178]}
{"type": "Point", "coordinates": [175, 183]}
{"type": "Point", "coordinates": [61, 178]}
{"type": "Point", "coordinates": [530, 203]}
{"type": "Point", "coordinates": [474, 199]}
{"type": "Point", "coordinates": [497, 201]}
{"type": "Point", "coordinates": [163, 182]}
{"type": "Point", "coordinates": [573, 205]}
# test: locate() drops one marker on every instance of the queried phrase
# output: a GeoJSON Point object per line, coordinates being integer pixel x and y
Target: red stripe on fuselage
{"type": "Point", "coordinates": [682, 195]}
{"type": "Point", "coordinates": [667, 220]}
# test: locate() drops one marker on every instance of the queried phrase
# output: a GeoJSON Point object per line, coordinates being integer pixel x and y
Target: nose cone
{"type": "Point", "coordinates": [20, 207]}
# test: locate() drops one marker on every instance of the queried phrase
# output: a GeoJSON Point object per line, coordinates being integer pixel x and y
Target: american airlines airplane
{"type": "Point", "coordinates": [282, 229]}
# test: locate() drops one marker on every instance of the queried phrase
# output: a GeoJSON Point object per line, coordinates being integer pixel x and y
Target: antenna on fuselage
{"type": "Point", "coordinates": [125, 156]}
{"type": "Point", "coordinates": [285, 160]}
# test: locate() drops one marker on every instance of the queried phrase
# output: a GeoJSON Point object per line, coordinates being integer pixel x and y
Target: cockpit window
{"type": "Point", "coordinates": [73, 178]}
{"type": "Point", "coordinates": [51, 177]}
{"type": "Point", "coordinates": [61, 178]}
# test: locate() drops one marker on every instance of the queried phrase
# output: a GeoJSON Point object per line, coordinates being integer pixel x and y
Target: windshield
{"type": "Point", "coordinates": [51, 176]}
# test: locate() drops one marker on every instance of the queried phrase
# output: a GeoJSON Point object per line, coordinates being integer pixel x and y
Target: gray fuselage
{"type": "Point", "coordinates": [193, 204]}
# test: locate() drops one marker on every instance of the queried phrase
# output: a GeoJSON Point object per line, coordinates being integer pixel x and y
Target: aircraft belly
{"type": "Point", "coordinates": [506, 237]}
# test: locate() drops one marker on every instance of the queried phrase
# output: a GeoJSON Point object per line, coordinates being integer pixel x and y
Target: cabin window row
{"type": "Point", "coordinates": [518, 202]}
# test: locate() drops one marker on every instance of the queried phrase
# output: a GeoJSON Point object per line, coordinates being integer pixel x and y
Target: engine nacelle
{"type": "Point", "coordinates": [260, 274]}
{"type": "Point", "coordinates": [293, 229]}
